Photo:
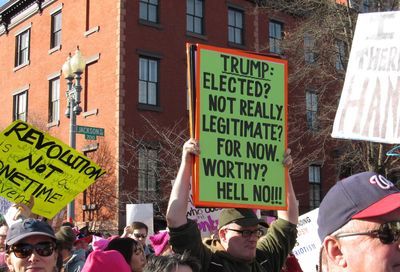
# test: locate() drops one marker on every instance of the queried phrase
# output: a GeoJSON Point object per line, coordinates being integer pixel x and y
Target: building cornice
{"type": "Point", "coordinates": [14, 7]}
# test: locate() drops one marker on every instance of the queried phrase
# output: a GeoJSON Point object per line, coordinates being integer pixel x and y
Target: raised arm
{"type": "Point", "coordinates": [292, 213]}
{"type": "Point", "coordinates": [178, 201]}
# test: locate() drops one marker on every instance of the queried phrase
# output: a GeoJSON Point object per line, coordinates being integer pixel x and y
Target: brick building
{"type": "Point", "coordinates": [136, 71]}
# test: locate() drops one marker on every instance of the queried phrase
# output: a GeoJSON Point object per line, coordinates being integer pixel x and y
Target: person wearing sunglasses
{"type": "Point", "coordinates": [138, 231]}
{"type": "Point", "coordinates": [243, 244]}
{"type": "Point", "coordinates": [31, 246]}
{"type": "Point", "coordinates": [359, 225]}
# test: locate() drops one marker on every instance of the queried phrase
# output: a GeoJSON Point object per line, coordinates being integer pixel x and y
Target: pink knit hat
{"type": "Point", "coordinates": [110, 260]}
{"type": "Point", "coordinates": [159, 241]}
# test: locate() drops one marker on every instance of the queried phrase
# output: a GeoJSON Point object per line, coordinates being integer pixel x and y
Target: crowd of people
{"type": "Point", "coordinates": [357, 223]}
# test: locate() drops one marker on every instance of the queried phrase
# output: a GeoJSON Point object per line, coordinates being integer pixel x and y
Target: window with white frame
{"type": "Point", "coordinates": [194, 16]}
{"type": "Point", "coordinates": [20, 106]}
{"type": "Point", "coordinates": [148, 81]}
{"type": "Point", "coordinates": [275, 36]}
{"type": "Point", "coordinates": [311, 109]}
{"type": "Point", "coordinates": [148, 10]}
{"type": "Point", "coordinates": [22, 42]}
{"type": "Point", "coordinates": [54, 100]}
{"type": "Point", "coordinates": [55, 39]}
{"type": "Point", "coordinates": [309, 50]}
{"type": "Point", "coordinates": [340, 55]}
{"type": "Point", "coordinates": [235, 26]}
{"type": "Point", "coordinates": [148, 180]}
{"type": "Point", "coordinates": [314, 179]}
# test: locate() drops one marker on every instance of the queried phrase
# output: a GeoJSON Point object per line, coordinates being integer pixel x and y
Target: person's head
{"type": "Point", "coordinates": [31, 246]}
{"type": "Point", "coordinates": [65, 240]}
{"type": "Point", "coordinates": [160, 243]}
{"type": "Point", "coordinates": [359, 225]}
{"type": "Point", "coordinates": [173, 263]}
{"type": "Point", "coordinates": [131, 250]}
{"type": "Point", "coordinates": [140, 231]}
{"type": "Point", "coordinates": [3, 234]}
{"type": "Point", "coordinates": [238, 231]}
{"type": "Point", "coordinates": [100, 261]}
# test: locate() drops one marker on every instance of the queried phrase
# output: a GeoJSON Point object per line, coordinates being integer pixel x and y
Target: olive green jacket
{"type": "Point", "coordinates": [272, 248]}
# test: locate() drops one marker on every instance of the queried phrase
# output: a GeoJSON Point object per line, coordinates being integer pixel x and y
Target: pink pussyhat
{"type": "Point", "coordinates": [159, 241]}
{"type": "Point", "coordinates": [101, 261]}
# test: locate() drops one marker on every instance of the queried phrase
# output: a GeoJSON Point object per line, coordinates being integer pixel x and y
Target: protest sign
{"type": "Point", "coordinates": [141, 212]}
{"type": "Point", "coordinates": [4, 205]}
{"type": "Point", "coordinates": [240, 122]}
{"type": "Point", "coordinates": [308, 244]}
{"type": "Point", "coordinates": [206, 218]}
{"type": "Point", "coordinates": [34, 163]}
{"type": "Point", "coordinates": [368, 108]}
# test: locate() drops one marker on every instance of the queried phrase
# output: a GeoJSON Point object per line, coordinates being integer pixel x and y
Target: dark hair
{"type": "Point", "coordinates": [125, 246]}
{"type": "Point", "coordinates": [169, 263]}
{"type": "Point", "coordinates": [139, 225]}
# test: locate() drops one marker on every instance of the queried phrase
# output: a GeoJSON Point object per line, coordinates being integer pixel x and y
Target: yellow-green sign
{"type": "Point", "coordinates": [34, 163]}
{"type": "Point", "coordinates": [241, 113]}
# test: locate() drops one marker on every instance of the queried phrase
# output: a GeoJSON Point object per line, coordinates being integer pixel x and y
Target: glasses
{"type": "Point", "coordinates": [249, 233]}
{"type": "Point", "coordinates": [23, 251]}
{"type": "Point", "coordinates": [139, 235]}
{"type": "Point", "coordinates": [388, 233]}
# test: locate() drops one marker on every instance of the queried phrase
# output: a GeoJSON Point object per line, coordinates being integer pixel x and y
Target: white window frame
{"type": "Point", "coordinates": [147, 172]}
{"type": "Point", "coordinates": [314, 179]}
{"type": "Point", "coordinates": [275, 36]}
{"type": "Point", "coordinates": [312, 109]}
{"type": "Point", "coordinates": [195, 16]}
{"type": "Point", "coordinates": [148, 10]}
{"type": "Point", "coordinates": [235, 26]}
{"type": "Point", "coordinates": [148, 81]}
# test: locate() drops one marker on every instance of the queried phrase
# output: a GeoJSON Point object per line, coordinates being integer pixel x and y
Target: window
{"type": "Point", "coordinates": [235, 26]}
{"type": "Point", "coordinates": [148, 81]}
{"type": "Point", "coordinates": [314, 178]}
{"type": "Point", "coordinates": [55, 29]}
{"type": "Point", "coordinates": [148, 180]}
{"type": "Point", "coordinates": [20, 107]}
{"type": "Point", "coordinates": [22, 48]}
{"type": "Point", "coordinates": [275, 37]}
{"type": "Point", "coordinates": [54, 100]}
{"type": "Point", "coordinates": [311, 108]}
{"type": "Point", "coordinates": [340, 55]}
{"type": "Point", "coordinates": [148, 10]}
{"type": "Point", "coordinates": [309, 54]}
{"type": "Point", "coordinates": [194, 16]}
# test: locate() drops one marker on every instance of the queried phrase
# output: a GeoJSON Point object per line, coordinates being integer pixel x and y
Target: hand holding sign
{"type": "Point", "coordinates": [35, 164]}
{"type": "Point", "coordinates": [240, 108]}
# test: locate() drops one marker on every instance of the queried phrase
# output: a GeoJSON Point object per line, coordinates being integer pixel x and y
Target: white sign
{"type": "Point", "coordinates": [308, 243]}
{"type": "Point", "coordinates": [142, 213]}
{"type": "Point", "coordinates": [206, 218]}
{"type": "Point", "coordinates": [369, 104]}
{"type": "Point", "coordinates": [4, 205]}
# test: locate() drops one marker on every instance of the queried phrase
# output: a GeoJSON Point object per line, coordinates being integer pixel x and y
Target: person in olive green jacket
{"type": "Point", "coordinates": [241, 245]}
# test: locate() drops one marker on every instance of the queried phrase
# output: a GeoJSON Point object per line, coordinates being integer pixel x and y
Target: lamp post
{"type": "Point", "coordinates": [73, 69]}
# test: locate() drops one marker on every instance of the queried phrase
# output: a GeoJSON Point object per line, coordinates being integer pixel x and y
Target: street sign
{"type": "Point", "coordinates": [90, 132]}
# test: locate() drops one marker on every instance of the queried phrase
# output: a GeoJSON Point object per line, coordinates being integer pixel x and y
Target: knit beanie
{"type": "Point", "coordinates": [159, 241]}
{"type": "Point", "coordinates": [101, 261]}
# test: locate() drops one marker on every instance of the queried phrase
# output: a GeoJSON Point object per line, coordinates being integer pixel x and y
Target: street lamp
{"type": "Point", "coordinates": [73, 69]}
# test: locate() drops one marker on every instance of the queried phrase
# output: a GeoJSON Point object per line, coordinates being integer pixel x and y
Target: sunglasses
{"type": "Point", "coordinates": [139, 235]}
{"type": "Point", "coordinates": [23, 251]}
{"type": "Point", "coordinates": [388, 233]}
{"type": "Point", "coordinates": [249, 233]}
